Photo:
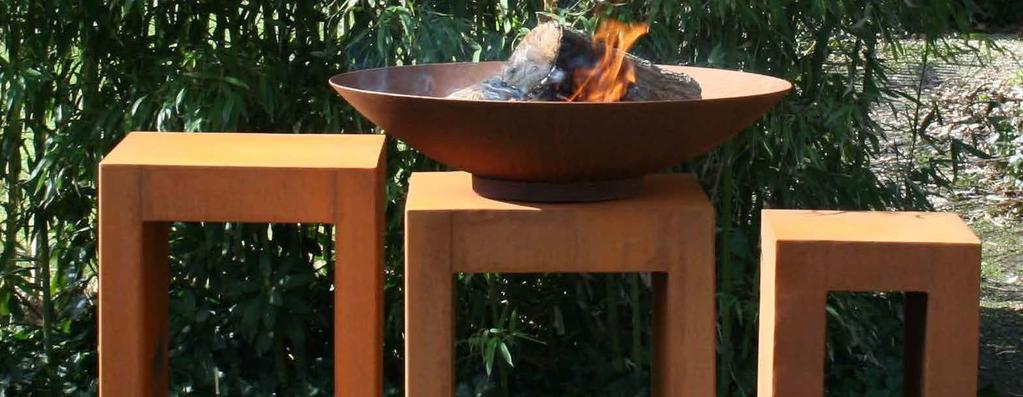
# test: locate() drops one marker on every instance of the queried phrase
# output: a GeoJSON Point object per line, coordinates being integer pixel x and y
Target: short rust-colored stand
{"type": "Point", "coordinates": [151, 179]}
{"type": "Point", "coordinates": [934, 257]}
{"type": "Point", "coordinates": [668, 228]}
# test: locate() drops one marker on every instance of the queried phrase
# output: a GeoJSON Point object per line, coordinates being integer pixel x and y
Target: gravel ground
{"type": "Point", "coordinates": [975, 100]}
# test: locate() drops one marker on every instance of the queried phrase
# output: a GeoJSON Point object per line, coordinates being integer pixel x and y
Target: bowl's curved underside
{"type": "Point", "coordinates": [554, 141]}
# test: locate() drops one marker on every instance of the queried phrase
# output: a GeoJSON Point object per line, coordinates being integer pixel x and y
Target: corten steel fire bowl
{"type": "Point", "coordinates": [554, 151]}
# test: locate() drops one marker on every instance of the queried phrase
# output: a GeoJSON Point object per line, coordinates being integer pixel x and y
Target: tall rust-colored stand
{"type": "Point", "coordinates": [934, 257]}
{"type": "Point", "coordinates": [151, 179]}
{"type": "Point", "coordinates": [668, 229]}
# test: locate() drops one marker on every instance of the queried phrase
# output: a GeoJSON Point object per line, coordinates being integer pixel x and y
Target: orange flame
{"type": "Point", "coordinates": [610, 77]}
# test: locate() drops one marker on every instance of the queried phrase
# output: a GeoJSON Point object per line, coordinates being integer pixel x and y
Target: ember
{"type": "Point", "coordinates": [554, 63]}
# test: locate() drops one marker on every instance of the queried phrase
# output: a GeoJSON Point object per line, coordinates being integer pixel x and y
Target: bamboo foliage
{"type": "Point", "coordinates": [250, 303]}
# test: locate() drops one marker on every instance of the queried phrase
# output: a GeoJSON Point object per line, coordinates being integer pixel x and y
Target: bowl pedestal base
{"type": "Point", "coordinates": [549, 192]}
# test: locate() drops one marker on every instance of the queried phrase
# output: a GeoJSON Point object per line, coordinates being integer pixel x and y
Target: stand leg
{"type": "Point", "coordinates": [684, 317]}
{"type": "Point", "coordinates": [133, 291]}
{"type": "Point", "coordinates": [358, 280]}
{"type": "Point", "coordinates": [950, 359]}
{"type": "Point", "coordinates": [793, 324]}
{"type": "Point", "coordinates": [429, 301]}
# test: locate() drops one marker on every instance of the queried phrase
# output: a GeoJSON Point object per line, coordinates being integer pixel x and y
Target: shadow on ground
{"type": "Point", "coordinates": [1001, 350]}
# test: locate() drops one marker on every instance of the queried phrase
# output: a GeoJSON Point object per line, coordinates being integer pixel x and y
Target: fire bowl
{"type": "Point", "coordinates": [554, 151]}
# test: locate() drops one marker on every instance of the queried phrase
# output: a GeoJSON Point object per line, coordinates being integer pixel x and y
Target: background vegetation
{"type": "Point", "coordinates": [250, 312]}
{"type": "Point", "coordinates": [998, 15]}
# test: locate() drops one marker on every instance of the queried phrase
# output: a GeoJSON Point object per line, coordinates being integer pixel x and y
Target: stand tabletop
{"type": "Point", "coordinates": [868, 226]}
{"type": "Point", "coordinates": [452, 191]}
{"type": "Point", "coordinates": [247, 150]}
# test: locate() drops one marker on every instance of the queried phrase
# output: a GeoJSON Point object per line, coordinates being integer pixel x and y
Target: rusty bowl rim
{"type": "Point", "coordinates": [788, 86]}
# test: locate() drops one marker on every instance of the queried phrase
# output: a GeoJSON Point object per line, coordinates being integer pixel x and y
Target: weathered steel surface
{"type": "Point", "coordinates": [934, 257]}
{"type": "Point", "coordinates": [151, 179]}
{"type": "Point", "coordinates": [538, 141]}
{"type": "Point", "coordinates": [667, 229]}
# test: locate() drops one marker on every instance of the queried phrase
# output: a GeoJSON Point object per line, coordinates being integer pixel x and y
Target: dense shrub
{"type": "Point", "coordinates": [250, 303]}
{"type": "Point", "coordinates": [999, 14]}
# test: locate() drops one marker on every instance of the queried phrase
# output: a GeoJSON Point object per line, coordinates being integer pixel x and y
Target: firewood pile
{"type": "Point", "coordinates": [556, 63]}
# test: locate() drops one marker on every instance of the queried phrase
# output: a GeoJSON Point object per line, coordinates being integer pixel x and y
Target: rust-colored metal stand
{"type": "Point", "coordinates": [933, 256]}
{"type": "Point", "coordinates": [668, 229]}
{"type": "Point", "coordinates": [151, 179]}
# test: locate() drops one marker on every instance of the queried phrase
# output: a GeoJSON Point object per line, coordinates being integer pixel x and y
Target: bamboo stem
{"type": "Point", "coordinates": [637, 346]}
{"type": "Point", "coordinates": [43, 261]}
{"type": "Point", "coordinates": [613, 323]}
{"type": "Point", "coordinates": [726, 274]}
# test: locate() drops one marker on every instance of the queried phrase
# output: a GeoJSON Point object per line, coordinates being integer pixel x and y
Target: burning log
{"type": "Point", "coordinates": [553, 63]}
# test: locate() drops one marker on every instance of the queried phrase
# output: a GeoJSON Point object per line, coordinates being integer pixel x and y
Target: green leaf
{"type": "Point", "coordinates": [236, 82]}
{"type": "Point", "coordinates": [506, 354]}
{"type": "Point", "coordinates": [488, 354]}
